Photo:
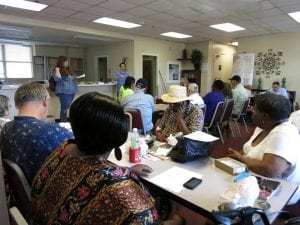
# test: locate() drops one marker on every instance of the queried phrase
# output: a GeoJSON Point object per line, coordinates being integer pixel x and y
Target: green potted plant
{"type": "Point", "coordinates": [196, 57]}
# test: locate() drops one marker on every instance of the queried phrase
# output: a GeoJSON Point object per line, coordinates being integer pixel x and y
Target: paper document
{"type": "Point", "coordinates": [201, 136]}
{"type": "Point", "coordinates": [81, 76]}
{"type": "Point", "coordinates": [174, 178]}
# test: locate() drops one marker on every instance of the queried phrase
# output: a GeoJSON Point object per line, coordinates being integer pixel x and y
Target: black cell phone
{"type": "Point", "coordinates": [192, 183]}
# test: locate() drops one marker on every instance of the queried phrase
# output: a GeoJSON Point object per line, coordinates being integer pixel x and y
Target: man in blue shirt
{"type": "Point", "coordinates": [28, 140]}
{"type": "Point", "coordinates": [276, 89]}
{"type": "Point", "coordinates": [120, 77]}
{"type": "Point", "coordinates": [144, 102]}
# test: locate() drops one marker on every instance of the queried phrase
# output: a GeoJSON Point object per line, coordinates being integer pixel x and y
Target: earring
{"type": "Point", "coordinates": [118, 153]}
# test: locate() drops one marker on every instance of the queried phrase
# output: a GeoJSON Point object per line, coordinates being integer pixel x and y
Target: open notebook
{"type": "Point", "coordinates": [267, 187]}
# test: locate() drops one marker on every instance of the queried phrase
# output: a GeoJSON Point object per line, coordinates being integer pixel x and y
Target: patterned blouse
{"type": "Point", "coordinates": [72, 190]}
{"type": "Point", "coordinates": [193, 117]}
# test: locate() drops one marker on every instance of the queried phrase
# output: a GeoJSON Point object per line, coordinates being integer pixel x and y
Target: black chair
{"type": "Point", "coordinates": [293, 221]}
{"type": "Point", "coordinates": [19, 185]}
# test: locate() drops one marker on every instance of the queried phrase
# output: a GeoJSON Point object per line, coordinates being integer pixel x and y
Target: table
{"type": "Point", "coordinates": [205, 197]}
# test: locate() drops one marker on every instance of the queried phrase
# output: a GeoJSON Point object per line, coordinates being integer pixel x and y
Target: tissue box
{"type": "Point", "coordinates": [230, 165]}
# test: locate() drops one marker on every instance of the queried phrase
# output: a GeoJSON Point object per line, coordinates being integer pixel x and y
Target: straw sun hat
{"type": "Point", "coordinates": [175, 94]}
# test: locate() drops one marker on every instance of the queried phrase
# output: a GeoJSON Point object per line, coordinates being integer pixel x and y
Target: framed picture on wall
{"type": "Point", "coordinates": [173, 72]}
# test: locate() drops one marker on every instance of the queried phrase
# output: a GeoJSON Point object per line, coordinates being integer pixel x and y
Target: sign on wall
{"type": "Point", "coordinates": [243, 65]}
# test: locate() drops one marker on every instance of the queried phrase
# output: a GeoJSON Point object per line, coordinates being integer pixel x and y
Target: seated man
{"type": "Point", "coordinates": [239, 94]}
{"type": "Point", "coordinates": [144, 102]}
{"type": "Point", "coordinates": [180, 116]}
{"type": "Point", "coordinates": [195, 98]}
{"type": "Point", "coordinates": [28, 140]}
{"type": "Point", "coordinates": [276, 89]}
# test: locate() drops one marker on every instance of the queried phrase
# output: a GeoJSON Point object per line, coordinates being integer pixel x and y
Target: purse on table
{"type": "Point", "coordinates": [187, 150]}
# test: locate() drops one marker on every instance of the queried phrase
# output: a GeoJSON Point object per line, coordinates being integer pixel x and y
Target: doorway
{"type": "Point", "coordinates": [150, 73]}
{"type": "Point", "coordinates": [101, 74]}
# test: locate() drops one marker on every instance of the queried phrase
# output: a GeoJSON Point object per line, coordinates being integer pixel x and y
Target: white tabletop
{"type": "Point", "coordinates": [215, 182]}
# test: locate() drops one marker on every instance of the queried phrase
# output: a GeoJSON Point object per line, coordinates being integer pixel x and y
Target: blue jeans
{"type": "Point", "coordinates": [65, 102]}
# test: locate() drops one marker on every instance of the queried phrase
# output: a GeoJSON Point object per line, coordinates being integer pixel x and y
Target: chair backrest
{"type": "Point", "coordinates": [217, 114]}
{"type": "Point", "coordinates": [17, 217]}
{"type": "Point", "coordinates": [227, 110]}
{"type": "Point", "coordinates": [3, 204]}
{"type": "Point", "coordinates": [137, 119]}
{"type": "Point", "coordinates": [19, 185]}
{"type": "Point", "coordinates": [129, 120]}
{"type": "Point", "coordinates": [293, 221]}
{"type": "Point", "coordinates": [203, 110]}
{"type": "Point", "coordinates": [244, 108]}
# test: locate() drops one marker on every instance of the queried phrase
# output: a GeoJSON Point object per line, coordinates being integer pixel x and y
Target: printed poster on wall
{"type": "Point", "coordinates": [243, 65]}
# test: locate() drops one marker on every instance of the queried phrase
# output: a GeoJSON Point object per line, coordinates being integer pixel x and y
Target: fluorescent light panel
{"type": "Point", "coordinates": [116, 23]}
{"type": "Point", "coordinates": [176, 35]}
{"type": "Point", "coordinates": [228, 27]}
{"type": "Point", "coordinates": [22, 4]}
{"type": "Point", "coordinates": [295, 16]}
{"type": "Point", "coordinates": [234, 43]}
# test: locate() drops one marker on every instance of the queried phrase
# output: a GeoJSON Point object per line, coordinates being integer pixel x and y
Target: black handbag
{"type": "Point", "coordinates": [187, 150]}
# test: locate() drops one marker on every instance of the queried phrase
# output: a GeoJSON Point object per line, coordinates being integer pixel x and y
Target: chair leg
{"type": "Point", "coordinates": [206, 129]}
{"type": "Point", "coordinates": [245, 124]}
{"type": "Point", "coordinates": [220, 133]}
{"type": "Point", "coordinates": [230, 127]}
{"type": "Point", "coordinates": [237, 126]}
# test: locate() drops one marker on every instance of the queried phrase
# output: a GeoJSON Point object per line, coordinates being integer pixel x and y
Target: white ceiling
{"type": "Point", "coordinates": [191, 17]}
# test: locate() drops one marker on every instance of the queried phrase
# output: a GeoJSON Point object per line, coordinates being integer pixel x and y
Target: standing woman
{"type": "Point", "coordinates": [66, 85]}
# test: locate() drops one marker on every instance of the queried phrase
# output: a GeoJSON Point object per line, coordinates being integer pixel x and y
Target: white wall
{"type": "Point", "coordinates": [165, 51]}
{"type": "Point", "coordinates": [114, 52]}
{"type": "Point", "coordinates": [223, 57]}
{"type": "Point", "coordinates": [288, 44]}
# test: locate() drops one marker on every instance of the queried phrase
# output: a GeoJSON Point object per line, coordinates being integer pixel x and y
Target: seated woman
{"type": "Point", "coordinates": [180, 116]}
{"type": "Point", "coordinates": [77, 185]}
{"type": "Point", "coordinates": [212, 99]}
{"type": "Point", "coordinates": [127, 89]}
{"type": "Point", "coordinates": [272, 149]}
{"type": "Point", "coordinates": [4, 111]}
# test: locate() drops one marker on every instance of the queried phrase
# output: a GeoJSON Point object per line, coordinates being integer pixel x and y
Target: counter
{"type": "Point", "coordinates": [54, 106]}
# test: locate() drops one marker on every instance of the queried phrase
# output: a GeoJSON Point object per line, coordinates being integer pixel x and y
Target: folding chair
{"type": "Point", "coordinates": [241, 115]}
{"type": "Point", "coordinates": [19, 185]}
{"type": "Point", "coordinates": [227, 115]}
{"type": "Point", "coordinates": [3, 203]}
{"type": "Point", "coordinates": [215, 120]}
{"type": "Point", "coordinates": [137, 119]}
{"type": "Point", "coordinates": [17, 217]}
{"type": "Point", "coordinates": [129, 120]}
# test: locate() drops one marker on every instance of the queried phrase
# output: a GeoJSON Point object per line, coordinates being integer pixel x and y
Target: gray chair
{"type": "Point", "coordinates": [215, 120]}
{"type": "Point", "coordinates": [241, 116]}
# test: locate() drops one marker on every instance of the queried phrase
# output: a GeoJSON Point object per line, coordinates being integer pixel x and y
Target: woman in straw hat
{"type": "Point", "coordinates": [181, 115]}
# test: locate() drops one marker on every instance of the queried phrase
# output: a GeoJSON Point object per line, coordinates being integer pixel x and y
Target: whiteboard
{"type": "Point", "coordinates": [243, 65]}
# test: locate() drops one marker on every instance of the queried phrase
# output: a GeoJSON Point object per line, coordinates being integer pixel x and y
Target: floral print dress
{"type": "Point", "coordinates": [73, 190]}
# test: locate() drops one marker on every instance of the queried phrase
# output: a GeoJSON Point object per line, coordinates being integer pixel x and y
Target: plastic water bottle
{"type": "Point", "coordinates": [135, 149]}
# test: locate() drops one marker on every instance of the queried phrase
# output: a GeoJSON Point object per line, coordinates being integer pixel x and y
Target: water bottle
{"type": "Point", "coordinates": [135, 149]}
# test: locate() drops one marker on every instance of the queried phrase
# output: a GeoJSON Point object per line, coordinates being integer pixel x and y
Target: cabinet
{"type": "Point", "coordinates": [76, 64]}
{"type": "Point", "coordinates": [193, 76]}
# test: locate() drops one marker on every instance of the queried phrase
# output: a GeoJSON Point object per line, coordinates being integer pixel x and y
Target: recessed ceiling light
{"type": "Point", "coordinates": [176, 35]}
{"type": "Point", "coordinates": [22, 4]}
{"type": "Point", "coordinates": [295, 16]}
{"type": "Point", "coordinates": [116, 23]}
{"type": "Point", "coordinates": [228, 27]}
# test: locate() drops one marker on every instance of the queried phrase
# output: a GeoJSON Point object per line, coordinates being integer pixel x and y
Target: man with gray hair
{"type": "Point", "coordinates": [28, 140]}
{"type": "Point", "coordinates": [193, 93]}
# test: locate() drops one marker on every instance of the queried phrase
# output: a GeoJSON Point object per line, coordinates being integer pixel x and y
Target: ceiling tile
{"type": "Point", "coordinates": [59, 11]}
{"type": "Point", "coordinates": [141, 11]}
{"type": "Point", "coordinates": [265, 13]}
{"type": "Point", "coordinates": [91, 2]}
{"type": "Point", "coordinates": [138, 2]}
{"type": "Point", "coordinates": [70, 4]}
{"type": "Point", "coordinates": [99, 11]}
{"type": "Point", "coordinates": [117, 5]}
{"type": "Point", "coordinates": [160, 5]}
